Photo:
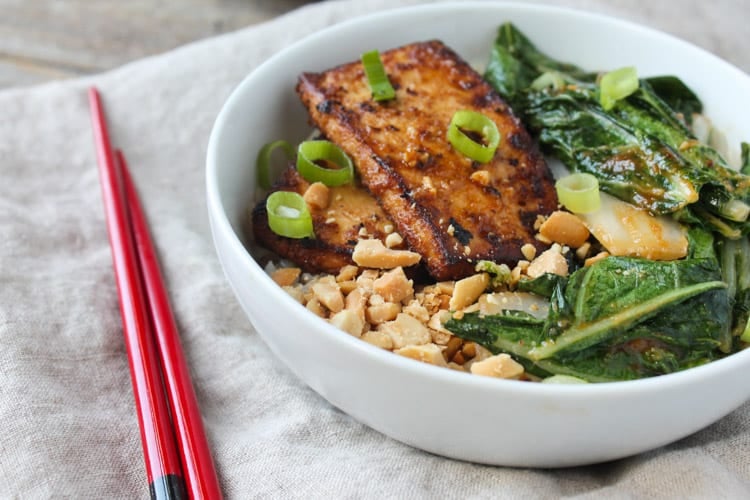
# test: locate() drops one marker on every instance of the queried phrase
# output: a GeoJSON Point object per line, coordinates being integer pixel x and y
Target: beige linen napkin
{"type": "Point", "coordinates": [66, 406]}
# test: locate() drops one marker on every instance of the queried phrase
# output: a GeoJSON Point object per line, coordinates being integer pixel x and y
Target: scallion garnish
{"type": "Point", "coordinates": [548, 79]}
{"type": "Point", "coordinates": [579, 193]}
{"type": "Point", "coordinates": [288, 215]}
{"type": "Point", "coordinates": [478, 124]}
{"type": "Point", "coordinates": [314, 159]}
{"type": "Point", "coordinates": [264, 160]}
{"type": "Point", "coordinates": [380, 86]}
{"type": "Point", "coordinates": [616, 85]}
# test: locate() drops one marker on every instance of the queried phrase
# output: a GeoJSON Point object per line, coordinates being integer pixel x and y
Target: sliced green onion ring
{"type": "Point", "coordinates": [548, 79]}
{"type": "Point", "coordinates": [288, 215]}
{"type": "Point", "coordinates": [616, 85]}
{"type": "Point", "coordinates": [310, 152]}
{"type": "Point", "coordinates": [579, 193]}
{"type": "Point", "coordinates": [479, 124]}
{"type": "Point", "coordinates": [377, 79]}
{"type": "Point", "coordinates": [263, 161]}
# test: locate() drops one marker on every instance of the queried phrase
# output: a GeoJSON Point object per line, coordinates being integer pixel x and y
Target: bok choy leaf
{"type": "Point", "coordinates": [621, 318]}
{"type": "Point", "coordinates": [642, 150]}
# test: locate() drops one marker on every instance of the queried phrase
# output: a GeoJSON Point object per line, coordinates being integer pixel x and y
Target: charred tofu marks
{"type": "Point", "coordinates": [449, 209]}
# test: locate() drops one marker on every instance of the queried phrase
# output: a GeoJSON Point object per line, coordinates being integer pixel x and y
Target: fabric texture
{"type": "Point", "coordinates": [66, 403]}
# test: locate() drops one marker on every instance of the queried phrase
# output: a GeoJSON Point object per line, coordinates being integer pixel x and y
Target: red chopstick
{"type": "Point", "coordinates": [151, 338]}
{"type": "Point", "coordinates": [194, 451]}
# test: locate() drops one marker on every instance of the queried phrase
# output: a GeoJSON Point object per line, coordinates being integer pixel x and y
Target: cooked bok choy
{"type": "Point", "coordinates": [642, 150]}
{"type": "Point", "coordinates": [647, 313]}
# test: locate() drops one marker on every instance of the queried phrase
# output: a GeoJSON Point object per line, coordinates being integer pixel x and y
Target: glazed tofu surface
{"type": "Point", "coordinates": [450, 209]}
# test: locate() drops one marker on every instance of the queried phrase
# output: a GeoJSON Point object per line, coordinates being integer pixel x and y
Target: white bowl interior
{"type": "Point", "coordinates": [577, 425]}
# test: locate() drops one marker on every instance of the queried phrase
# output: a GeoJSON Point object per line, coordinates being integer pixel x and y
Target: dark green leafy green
{"type": "Point", "coordinates": [543, 285]}
{"type": "Point", "coordinates": [642, 150]}
{"type": "Point", "coordinates": [621, 318]}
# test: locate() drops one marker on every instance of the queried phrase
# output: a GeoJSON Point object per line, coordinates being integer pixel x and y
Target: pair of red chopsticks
{"type": "Point", "coordinates": [178, 459]}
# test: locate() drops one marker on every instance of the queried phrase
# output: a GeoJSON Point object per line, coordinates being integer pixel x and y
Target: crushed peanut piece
{"type": "Point", "coordinates": [286, 276]}
{"type": "Point", "coordinates": [550, 261]}
{"type": "Point", "coordinates": [417, 310]}
{"type": "Point", "coordinates": [314, 306]}
{"type": "Point", "coordinates": [583, 251]}
{"type": "Point", "coordinates": [329, 294]}
{"type": "Point", "coordinates": [355, 301]}
{"type": "Point", "coordinates": [406, 330]}
{"type": "Point", "coordinates": [347, 286]}
{"type": "Point", "coordinates": [428, 185]}
{"type": "Point", "coordinates": [394, 286]}
{"type": "Point", "coordinates": [469, 350]}
{"type": "Point", "coordinates": [596, 258]}
{"type": "Point", "coordinates": [379, 339]}
{"type": "Point", "coordinates": [381, 313]}
{"type": "Point", "coordinates": [529, 251]}
{"type": "Point", "coordinates": [453, 346]}
{"type": "Point", "coordinates": [427, 353]}
{"type": "Point", "coordinates": [393, 240]}
{"type": "Point", "coordinates": [565, 228]}
{"type": "Point", "coordinates": [348, 272]}
{"type": "Point", "coordinates": [372, 253]}
{"type": "Point", "coordinates": [349, 321]}
{"type": "Point", "coordinates": [317, 195]}
{"type": "Point", "coordinates": [500, 366]}
{"type": "Point", "coordinates": [468, 290]}
{"type": "Point", "coordinates": [481, 177]}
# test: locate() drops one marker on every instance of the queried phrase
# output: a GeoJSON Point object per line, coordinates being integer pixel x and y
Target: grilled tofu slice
{"type": "Point", "coordinates": [351, 214]}
{"type": "Point", "coordinates": [449, 209]}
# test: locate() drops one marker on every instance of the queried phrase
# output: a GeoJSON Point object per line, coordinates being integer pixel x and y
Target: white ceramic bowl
{"type": "Point", "coordinates": [439, 410]}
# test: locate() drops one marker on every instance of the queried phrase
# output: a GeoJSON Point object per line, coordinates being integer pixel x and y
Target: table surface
{"type": "Point", "coordinates": [43, 40]}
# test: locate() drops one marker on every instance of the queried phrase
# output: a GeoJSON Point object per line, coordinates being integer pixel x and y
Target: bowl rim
{"type": "Point", "coordinates": [221, 226]}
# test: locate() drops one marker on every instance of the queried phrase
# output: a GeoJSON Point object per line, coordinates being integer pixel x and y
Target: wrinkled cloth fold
{"type": "Point", "coordinates": [66, 403]}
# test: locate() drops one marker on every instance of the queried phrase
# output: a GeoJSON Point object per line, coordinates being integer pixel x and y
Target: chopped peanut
{"type": "Point", "coordinates": [428, 353]}
{"type": "Point", "coordinates": [550, 261]}
{"type": "Point", "coordinates": [468, 290]}
{"type": "Point", "coordinates": [347, 273]}
{"type": "Point", "coordinates": [500, 366]}
{"type": "Point", "coordinates": [528, 251]}
{"type": "Point", "coordinates": [380, 339]}
{"type": "Point", "coordinates": [348, 321]}
{"type": "Point", "coordinates": [329, 294]}
{"type": "Point", "coordinates": [436, 321]}
{"type": "Point", "coordinates": [314, 305]}
{"type": "Point", "coordinates": [583, 250]}
{"type": "Point", "coordinates": [452, 347]}
{"type": "Point", "coordinates": [596, 258]}
{"type": "Point", "coordinates": [296, 293]}
{"type": "Point", "coordinates": [317, 195]}
{"type": "Point", "coordinates": [565, 228]}
{"type": "Point", "coordinates": [393, 240]}
{"type": "Point", "coordinates": [372, 253]}
{"type": "Point", "coordinates": [417, 310]}
{"type": "Point", "coordinates": [394, 286]}
{"type": "Point", "coordinates": [440, 337]}
{"type": "Point", "coordinates": [406, 330]}
{"type": "Point", "coordinates": [355, 301]}
{"type": "Point", "coordinates": [481, 177]}
{"type": "Point", "coordinates": [381, 313]}
{"type": "Point", "coordinates": [347, 286]}
{"type": "Point", "coordinates": [469, 350]}
{"type": "Point", "coordinates": [286, 276]}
